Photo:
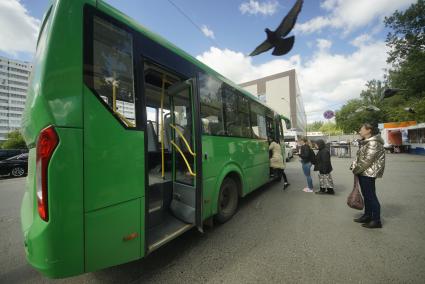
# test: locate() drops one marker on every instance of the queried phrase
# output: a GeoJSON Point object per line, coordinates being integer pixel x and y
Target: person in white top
{"type": "Point", "coordinates": [276, 162]}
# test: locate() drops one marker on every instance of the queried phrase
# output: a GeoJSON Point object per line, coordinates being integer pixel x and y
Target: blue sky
{"type": "Point", "coordinates": [339, 44]}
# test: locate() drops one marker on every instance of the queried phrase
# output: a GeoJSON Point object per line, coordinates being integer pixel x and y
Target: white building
{"type": "Point", "coordinates": [282, 93]}
{"type": "Point", "coordinates": [14, 78]}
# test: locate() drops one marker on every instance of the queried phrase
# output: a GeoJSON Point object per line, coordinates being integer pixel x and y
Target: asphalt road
{"type": "Point", "coordinates": [276, 237]}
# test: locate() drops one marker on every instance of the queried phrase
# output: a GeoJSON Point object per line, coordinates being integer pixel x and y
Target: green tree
{"type": "Point", "coordinates": [330, 128]}
{"type": "Point", "coordinates": [407, 50]}
{"type": "Point", "coordinates": [350, 117]}
{"type": "Point", "coordinates": [407, 35]}
{"type": "Point", "coordinates": [372, 94]}
{"type": "Point", "coordinates": [315, 126]}
{"type": "Point", "coordinates": [14, 141]}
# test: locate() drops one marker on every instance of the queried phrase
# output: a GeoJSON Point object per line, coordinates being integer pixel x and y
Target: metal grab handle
{"type": "Point", "coordinates": [184, 139]}
{"type": "Point", "coordinates": [184, 158]}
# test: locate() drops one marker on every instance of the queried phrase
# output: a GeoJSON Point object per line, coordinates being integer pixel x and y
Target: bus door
{"type": "Point", "coordinates": [187, 192]}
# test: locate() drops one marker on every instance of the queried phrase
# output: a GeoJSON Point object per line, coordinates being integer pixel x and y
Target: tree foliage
{"type": "Point", "coordinates": [407, 35]}
{"type": "Point", "coordinates": [14, 141]}
{"type": "Point", "coordinates": [315, 126]}
{"type": "Point", "coordinates": [406, 41]}
{"type": "Point", "coordinates": [330, 128]}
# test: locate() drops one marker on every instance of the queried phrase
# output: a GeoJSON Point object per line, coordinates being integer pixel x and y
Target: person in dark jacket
{"type": "Point", "coordinates": [324, 167]}
{"type": "Point", "coordinates": [307, 159]}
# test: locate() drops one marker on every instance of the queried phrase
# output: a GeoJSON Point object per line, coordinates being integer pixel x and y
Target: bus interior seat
{"type": "Point", "coordinates": [167, 132]}
{"type": "Point", "coordinates": [152, 138]}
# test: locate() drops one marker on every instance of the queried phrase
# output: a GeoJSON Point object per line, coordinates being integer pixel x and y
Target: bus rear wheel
{"type": "Point", "coordinates": [227, 200]}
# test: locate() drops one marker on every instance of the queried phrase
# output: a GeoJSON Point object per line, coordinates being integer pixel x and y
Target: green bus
{"type": "Point", "coordinates": [132, 142]}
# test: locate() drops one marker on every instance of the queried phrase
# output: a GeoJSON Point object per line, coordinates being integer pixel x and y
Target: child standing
{"type": "Point", "coordinates": [324, 166]}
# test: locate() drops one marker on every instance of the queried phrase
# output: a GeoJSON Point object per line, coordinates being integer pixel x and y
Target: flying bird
{"type": "Point", "coordinates": [409, 109]}
{"type": "Point", "coordinates": [367, 108]}
{"type": "Point", "coordinates": [276, 39]}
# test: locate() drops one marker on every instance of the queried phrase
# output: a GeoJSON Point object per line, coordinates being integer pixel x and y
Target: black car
{"type": "Point", "coordinates": [7, 153]}
{"type": "Point", "coordinates": [16, 166]}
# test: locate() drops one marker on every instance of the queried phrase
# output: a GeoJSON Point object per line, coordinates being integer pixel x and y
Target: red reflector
{"type": "Point", "coordinates": [46, 144]}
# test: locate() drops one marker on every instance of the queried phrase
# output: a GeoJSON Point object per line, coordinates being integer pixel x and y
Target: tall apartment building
{"type": "Point", "coordinates": [282, 92]}
{"type": "Point", "coordinates": [14, 79]}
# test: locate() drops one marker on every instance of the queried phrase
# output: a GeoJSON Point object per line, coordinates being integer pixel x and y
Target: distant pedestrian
{"type": "Point", "coordinates": [276, 162]}
{"type": "Point", "coordinates": [368, 166]}
{"type": "Point", "coordinates": [307, 159]}
{"type": "Point", "coordinates": [324, 167]}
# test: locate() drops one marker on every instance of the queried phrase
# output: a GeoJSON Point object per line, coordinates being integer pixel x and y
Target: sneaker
{"type": "Point", "coordinates": [285, 185]}
{"type": "Point", "coordinates": [309, 190]}
{"type": "Point", "coordinates": [305, 189]}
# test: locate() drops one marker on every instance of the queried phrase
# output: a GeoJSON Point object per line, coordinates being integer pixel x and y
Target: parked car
{"type": "Point", "coordinates": [293, 145]}
{"type": "Point", "coordinates": [16, 166]}
{"type": "Point", "coordinates": [289, 153]}
{"type": "Point", "coordinates": [7, 153]}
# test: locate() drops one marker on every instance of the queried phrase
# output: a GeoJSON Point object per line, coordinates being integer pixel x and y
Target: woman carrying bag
{"type": "Point", "coordinates": [368, 166]}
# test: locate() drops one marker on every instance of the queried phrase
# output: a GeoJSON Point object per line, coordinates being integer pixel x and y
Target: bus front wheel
{"type": "Point", "coordinates": [227, 200]}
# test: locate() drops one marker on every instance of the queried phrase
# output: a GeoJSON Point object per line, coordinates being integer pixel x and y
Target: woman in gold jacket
{"type": "Point", "coordinates": [368, 166]}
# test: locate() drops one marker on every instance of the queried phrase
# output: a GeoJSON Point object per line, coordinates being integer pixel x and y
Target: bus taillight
{"type": "Point", "coordinates": [46, 144]}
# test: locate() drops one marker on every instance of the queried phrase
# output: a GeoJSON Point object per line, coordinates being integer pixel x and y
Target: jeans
{"type": "Point", "coordinates": [371, 203]}
{"type": "Point", "coordinates": [306, 170]}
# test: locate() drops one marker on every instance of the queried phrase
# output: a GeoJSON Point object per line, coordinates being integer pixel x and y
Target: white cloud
{"type": "Point", "coordinates": [323, 44]}
{"type": "Point", "coordinates": [256, 7]}
{"type": "Point", "coordinates": [18, 32]}
{"type": "Point", "coordinates": [349, 15]}
{"type": "Point", "coordinates": [361, 40]}
{"type": "Point", "coordinates": [239, 67]}
{"type": "Point", "coordinates": [207, 32]}
{"type": "Point", "coordinates": [326, 80]}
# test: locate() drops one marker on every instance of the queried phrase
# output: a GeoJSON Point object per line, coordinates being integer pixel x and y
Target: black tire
{"type": "Point", "coordinates": [227, 200]}
{"type": "Point", "coordinates": [17, 172]}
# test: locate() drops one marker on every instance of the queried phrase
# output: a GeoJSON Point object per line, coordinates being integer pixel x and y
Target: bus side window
{"type": "Point", "coordinates": [112, 70]}
{"type": "Point", "coordinates": [258, 121]}
{"type": "Point", "coordinates": [211, 105]}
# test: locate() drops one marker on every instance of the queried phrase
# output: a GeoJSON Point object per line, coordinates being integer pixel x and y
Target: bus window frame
{"type": "Point", "coordinates": [90, 13]}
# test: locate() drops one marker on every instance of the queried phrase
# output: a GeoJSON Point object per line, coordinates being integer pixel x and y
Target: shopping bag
{"type": "Point", "coordinates": [355, 199]}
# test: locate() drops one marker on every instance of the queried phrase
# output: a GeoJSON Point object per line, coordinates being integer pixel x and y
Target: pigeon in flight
{"type": "Point", "coordinates": [275, 39]}
{"type": "Point", "coordinates": [367, 108]}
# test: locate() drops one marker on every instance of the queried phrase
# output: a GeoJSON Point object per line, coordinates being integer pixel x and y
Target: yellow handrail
{"type": "Point", "coordinates": [184, 158]}
{"type": "Point", "coordinates": [128, 122]}
{"type": "Point", "coordinates": [114, 104]}
{"type": "Point", "coordinates": [184, 139]}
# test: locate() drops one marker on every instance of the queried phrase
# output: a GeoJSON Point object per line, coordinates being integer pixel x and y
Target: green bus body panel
{"type": "Point", "coordinates": [246, 157]}
{"type": "Point", "coordinates": [54, 95]}
{"type": "Point", "coordinates": [114, 187]}
{"type": "Point", "coordinates": [105, 231]}
{"type": "Point", "coordinates": [56, 247]}
{"type": "Point", "coordinates": [114, 158]}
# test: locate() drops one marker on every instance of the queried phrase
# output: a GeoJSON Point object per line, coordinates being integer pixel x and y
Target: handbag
{"type": "Point", "coordinates": [355, 199]}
